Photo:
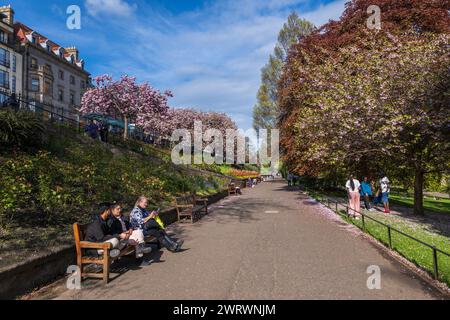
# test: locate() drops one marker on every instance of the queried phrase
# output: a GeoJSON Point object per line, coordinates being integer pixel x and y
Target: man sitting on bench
{"type": "Point", "coordinates": [141, 219]}
{"type": "Point", "coordinates": [98, 231]}
{"type": "Point", "coordinates": [118, 225]}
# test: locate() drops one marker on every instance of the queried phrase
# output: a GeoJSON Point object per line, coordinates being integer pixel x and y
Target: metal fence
{"type": "Point", "coordinates": [334, 205]}
{"type": "Point", "coordinates": [75, 121]}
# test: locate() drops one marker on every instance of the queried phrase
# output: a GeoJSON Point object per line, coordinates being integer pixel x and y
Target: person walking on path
{"type": "Point", "coordinates": [385, 191]}
{"type": "Point", "coordinates": [353, 189]}
{"type": "Point", "coordinates": [366, 193]}
{"type": "Point", "coordinates": [289, 179]}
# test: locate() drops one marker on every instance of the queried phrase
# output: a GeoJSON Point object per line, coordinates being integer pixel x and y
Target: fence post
{"type": "Point", "coordinates": [435, 264]}
{"type": "Point", "coordinates": [390, 237]}
{"type": "Point", "coordinates": [363, 223]}
{"type": "Point", "coordinates": [337, 211]}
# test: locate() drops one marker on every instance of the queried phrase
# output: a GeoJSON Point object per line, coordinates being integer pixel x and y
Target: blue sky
{"type": "Point", "coordinates": [209, 53]}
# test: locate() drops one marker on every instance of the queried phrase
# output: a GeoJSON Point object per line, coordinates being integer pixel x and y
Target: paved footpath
{"type": "Point", "coordinates": [270, 243]}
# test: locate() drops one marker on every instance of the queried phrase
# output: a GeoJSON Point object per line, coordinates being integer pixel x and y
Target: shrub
{"type": "Point", "coordinates": [19, 129]}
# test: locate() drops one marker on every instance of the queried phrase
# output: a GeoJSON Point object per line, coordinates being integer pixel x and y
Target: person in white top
{"type": "Point", "coordinates": [385, 185]}
{"type": "Point", "coordinates": [353, 187]}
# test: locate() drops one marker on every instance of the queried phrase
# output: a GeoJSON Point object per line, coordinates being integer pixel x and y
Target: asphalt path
{"type": "Point", "coordinates": [269, 243]}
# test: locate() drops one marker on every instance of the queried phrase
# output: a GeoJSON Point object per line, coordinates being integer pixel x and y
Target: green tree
{"type": "Point", "coordinates": [265, 112]}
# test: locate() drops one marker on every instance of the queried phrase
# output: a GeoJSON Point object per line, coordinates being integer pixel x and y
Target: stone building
{"type": "Point", "coordinates": [11, 71]}
{"type": "Point", "coordinates": [54, 77]}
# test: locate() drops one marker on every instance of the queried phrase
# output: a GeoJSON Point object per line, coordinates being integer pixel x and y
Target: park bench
{"type": "Point", "coordinates": [103, 259]}
{"type": "Point", "coordinates": [191, 206]}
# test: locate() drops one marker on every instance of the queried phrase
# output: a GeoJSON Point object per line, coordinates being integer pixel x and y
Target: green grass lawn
{"type": "Point", "coordinates": [429, 203]}
{"type": "Point", "coordinates": [414, 251]}
{"type": "Point", "coordinates": [440, 205]}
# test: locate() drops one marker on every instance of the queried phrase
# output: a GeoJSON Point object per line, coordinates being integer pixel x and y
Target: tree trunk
{"type": "Point", "coordinates": [418, 192]}
{"type": "Point", "coordinates": [125, 131]}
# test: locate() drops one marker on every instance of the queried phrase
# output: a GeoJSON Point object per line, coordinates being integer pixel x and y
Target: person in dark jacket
{"type": "Point", "coordinates": [117, 225]}
{"type": "Point", "coordinates": [98, 231]}
{"type": "Point", "coordinates": [92, 129]}
{"type": "Point", "coordinates": [103, 129]}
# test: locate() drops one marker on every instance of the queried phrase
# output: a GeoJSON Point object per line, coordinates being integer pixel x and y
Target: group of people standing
{"type": "Point", "coordinates": [366, 190]}
{"type": "Point", "coordinates": [109, 225]}
{"type": "Point", "coordinates": [97, 130]}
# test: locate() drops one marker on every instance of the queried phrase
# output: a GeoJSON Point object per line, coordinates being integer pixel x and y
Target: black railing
{"type": "Point", "coordinates": [389, 229]}
{"type": "Point", "coordinates": [53, 114]}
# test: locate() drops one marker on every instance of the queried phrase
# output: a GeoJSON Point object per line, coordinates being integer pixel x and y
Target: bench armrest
{"type": "Point", "coordinates": [93, 245]}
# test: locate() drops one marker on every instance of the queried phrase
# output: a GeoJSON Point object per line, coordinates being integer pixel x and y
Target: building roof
{"type": "Point", "coordinates": [25, 34]}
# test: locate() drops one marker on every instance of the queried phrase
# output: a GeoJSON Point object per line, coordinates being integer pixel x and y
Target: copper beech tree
{"type": "Point", "coordinates": [355, 99]}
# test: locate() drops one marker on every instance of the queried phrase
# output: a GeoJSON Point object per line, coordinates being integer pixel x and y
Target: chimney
{"type": "Point", "coordinates": [9, 14]}
{"type": "Point", "coordinates": [73, 51]}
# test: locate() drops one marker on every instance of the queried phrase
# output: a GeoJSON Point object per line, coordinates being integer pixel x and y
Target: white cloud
{"type": "Point", "coordinates": [210, 58]}
{"type": "Point", "coordinates": [114, 7]}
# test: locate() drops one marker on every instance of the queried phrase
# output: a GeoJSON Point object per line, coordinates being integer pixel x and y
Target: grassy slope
{"type": "Point", "coordinates": [47, 191]}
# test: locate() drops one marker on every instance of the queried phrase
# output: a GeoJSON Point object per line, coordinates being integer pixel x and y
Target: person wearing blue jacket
{"type": "Point", "coordinates": [366, 193]}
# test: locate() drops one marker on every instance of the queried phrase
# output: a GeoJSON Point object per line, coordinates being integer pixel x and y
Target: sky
{"type": "Point", "coordinates": [208, 53]}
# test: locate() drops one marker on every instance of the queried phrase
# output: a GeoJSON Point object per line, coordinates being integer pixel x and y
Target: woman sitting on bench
{"type": "Point", "coordinates": [118, 225]}
{"type": "Point", "coordinates": [141, 219]}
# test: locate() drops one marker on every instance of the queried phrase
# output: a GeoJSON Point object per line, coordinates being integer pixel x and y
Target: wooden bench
{"type": "Point", "coordinates": [103, 259]}
{"type": "Point", "coordinates": [191, 207]}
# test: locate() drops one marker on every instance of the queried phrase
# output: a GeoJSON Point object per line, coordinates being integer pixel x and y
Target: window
{"type": "Point", "coordinates": [35, 85]}
{"type": "Point", "coordinates": [13, 84]}
{"type": "Point", "coordinates": [60, 95]}
{"type": "Point", "coordinates": [3, 36]}
{"type": "Point", "coordinates": [48, 88]}
{"type": "Point", "coordinates": [72, 80]}
{"type": "Point", "coordinates": [34, 63]}
{"type": "Point", "coordinates": [14, 63]}
{"type": "Point", "coordinates": [4, 79]}
{"type": "Point", "coordinates": [83, 84]}
{"type": "Point", "coordinates": [61, 75]}
{"type": "Point", "coordinates": [72, 99]}
{"type": "Point", "coordinates": [4, 57]}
